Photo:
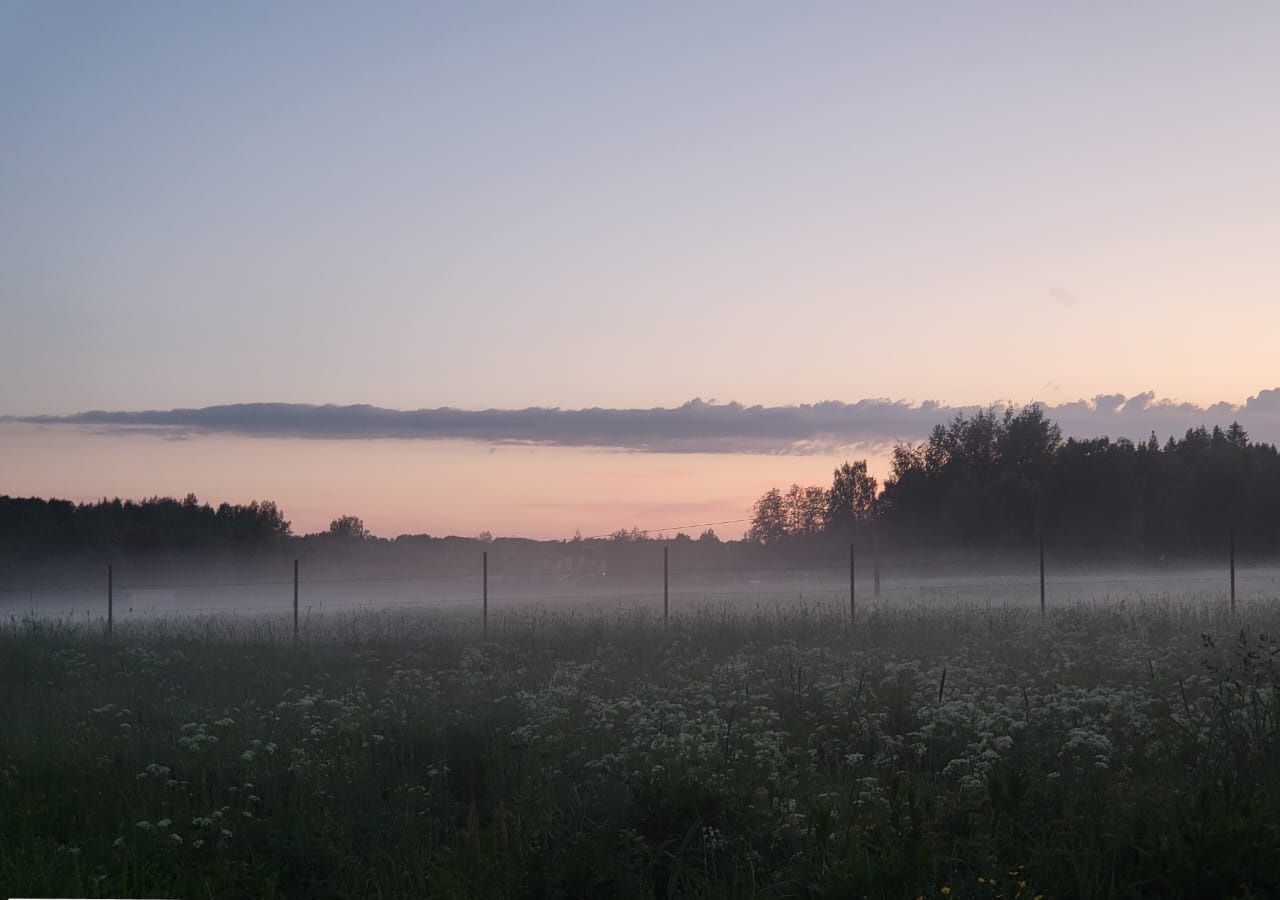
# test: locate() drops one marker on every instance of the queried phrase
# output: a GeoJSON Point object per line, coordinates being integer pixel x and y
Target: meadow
{"type": "Point", "coordinates": [1118, 749]}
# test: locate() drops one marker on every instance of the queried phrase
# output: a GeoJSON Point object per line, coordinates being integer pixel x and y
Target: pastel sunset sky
{"type": "Point", "coordinates": [529, 235]}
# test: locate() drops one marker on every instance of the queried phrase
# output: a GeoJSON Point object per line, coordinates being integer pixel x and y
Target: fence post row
{"type": "Point", "coordinates": [666, 584]}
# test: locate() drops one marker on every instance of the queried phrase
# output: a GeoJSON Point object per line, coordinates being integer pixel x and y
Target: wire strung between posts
{"type": "Point", "coordinates": [598, 537]}
{"type": "Point", "coordinates": [1172, 579]}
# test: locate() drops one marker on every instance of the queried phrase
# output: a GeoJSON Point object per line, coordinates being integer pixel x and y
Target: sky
{"type": "Point", "coordinates": [616, 207]}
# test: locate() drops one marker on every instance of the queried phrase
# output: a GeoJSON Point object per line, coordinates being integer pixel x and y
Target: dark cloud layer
{"type": "Point", "coordinates": [694, 427]}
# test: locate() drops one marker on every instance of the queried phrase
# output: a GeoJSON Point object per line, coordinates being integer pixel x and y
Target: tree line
{"type": "Point", "coordinates": [999, 480]}
{"type": "Point", "coordinates": [995, 480]}
{"type": "Point", "coordinates": [33, 524]}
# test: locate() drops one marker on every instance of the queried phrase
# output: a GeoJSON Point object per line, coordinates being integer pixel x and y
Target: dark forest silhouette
{"type": "Point", "coordinates": [999, 480]}
{"type": "Point", "coordinates": [991, 482]}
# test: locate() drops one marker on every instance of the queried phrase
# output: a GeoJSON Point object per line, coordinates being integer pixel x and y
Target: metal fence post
{"type": "Point", "coordinates": [110, 601]}
{"type": "Point", "coordinates": [1232, 543]}
{"type": "Point", "coordinates": [852, 601]}
{"type": "Point", "coordinates": [295, 599]}
{"type": "Point", "coordinates": [875, 561]}
{"type": "Point", "coordinates": [484, 566]}
{"type": "Point", "coordinates": [1042, 574]}
{"type": "Point", "coordinates": [666, 586]}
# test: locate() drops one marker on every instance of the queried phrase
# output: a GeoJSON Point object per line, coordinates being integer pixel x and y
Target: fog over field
{"type": "Point", "coordinates": [737, 591]}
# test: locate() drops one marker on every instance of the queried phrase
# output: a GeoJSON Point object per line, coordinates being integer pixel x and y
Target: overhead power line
{"type": "Point", "coordinates": [596, 537]}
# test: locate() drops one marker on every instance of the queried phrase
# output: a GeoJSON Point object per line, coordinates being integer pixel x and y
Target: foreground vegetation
{"type": "Point", "coordinates": [1118, 751]}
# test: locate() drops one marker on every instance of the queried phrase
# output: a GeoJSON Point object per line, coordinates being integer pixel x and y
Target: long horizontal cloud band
{"type": "Point", "coordinates": [694, 427]}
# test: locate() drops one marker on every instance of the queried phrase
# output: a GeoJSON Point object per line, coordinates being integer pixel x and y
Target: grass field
{"type": "Point", "coordinates": [1119, 750]}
